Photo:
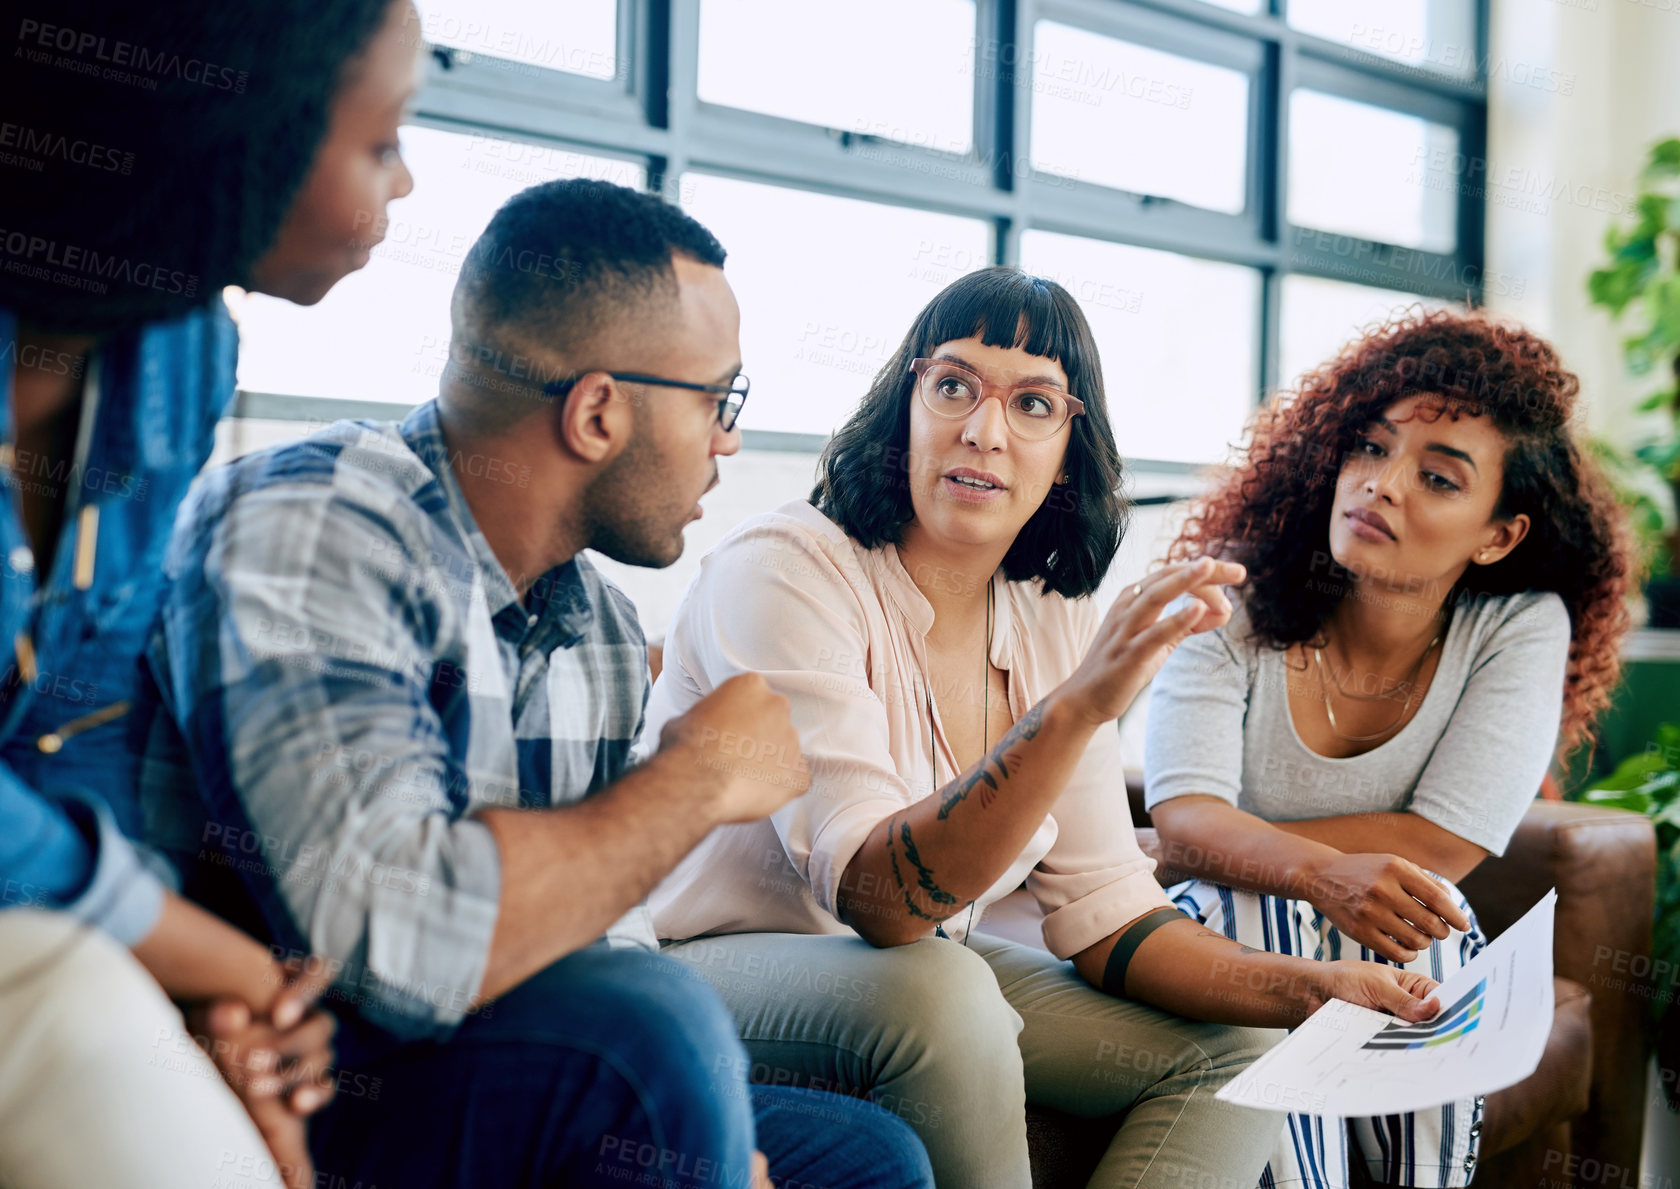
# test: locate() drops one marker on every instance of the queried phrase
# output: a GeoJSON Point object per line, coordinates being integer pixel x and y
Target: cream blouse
{"type": "Point", "coordinates": [841, 631]}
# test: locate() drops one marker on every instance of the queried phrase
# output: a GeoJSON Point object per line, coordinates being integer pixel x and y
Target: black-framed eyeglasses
{"type": "Point", "coordinates": [728, 410]}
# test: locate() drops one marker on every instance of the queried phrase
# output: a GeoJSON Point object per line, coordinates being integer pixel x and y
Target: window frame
{"type": "Point", "coordinates": [651, 112]}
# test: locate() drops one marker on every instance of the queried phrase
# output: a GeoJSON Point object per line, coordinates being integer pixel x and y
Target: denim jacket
{"type": "Point", "coordinates": [72, 638]}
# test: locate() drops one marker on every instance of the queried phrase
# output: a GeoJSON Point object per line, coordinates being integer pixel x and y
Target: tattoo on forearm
{"type": "Point", "coordinates": [898, 878]}
{"type": "Point", "coordinates": [924, 873]}
{"type": "Point", "coordinates": [1005, 759]}
{"type": "Point", "coordinates": [1247, 949]}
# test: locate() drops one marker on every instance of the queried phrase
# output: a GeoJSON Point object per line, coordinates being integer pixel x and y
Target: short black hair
{"type": "Point", "coordinates": [173, 136]}
{"type": "Point", "coordinates": [565, 259]}
{"type": "Point", "coordinates": [863, 481]}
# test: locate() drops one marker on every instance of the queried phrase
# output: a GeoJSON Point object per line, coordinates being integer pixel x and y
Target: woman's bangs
{"type": "Point", "coordinates": [1005, 308]}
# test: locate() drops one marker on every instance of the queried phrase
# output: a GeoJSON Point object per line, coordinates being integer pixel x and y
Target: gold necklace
{"type": "Point", "coordinates": [1411, 696]}
{"type": "Point", "coordinates": [1343, 691]}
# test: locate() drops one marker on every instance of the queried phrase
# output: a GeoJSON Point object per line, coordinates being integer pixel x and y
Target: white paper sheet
{"type": "Point", "coordinates": [1347, 1061]}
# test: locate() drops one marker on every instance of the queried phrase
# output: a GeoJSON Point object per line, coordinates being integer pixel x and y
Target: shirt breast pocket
{"type": "Point", "coordinates": [112, 607]}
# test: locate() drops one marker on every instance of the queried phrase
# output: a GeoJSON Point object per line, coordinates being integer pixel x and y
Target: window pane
{"type": "Point", "coordinates": [1430, 34]}
{"type": "Point", "coordinates": [828, 286]}
{"type": "Point", "coordinates": [1118, 114]}
{"type": "Point", "coordinates": [1320, 317]}
{"type": "Point", "coordinates": [1237, 5]}
{"type": "Point", "coordinates": [578, 36]}
{"type": "Point", "coordinates": [900, 71]}
{"type": "Point", "coordinates": [383, 333]}
{"type": "Point", "coordinates": [1177, 337]}
{"type": "Point", "coordinates": [1371, 172]}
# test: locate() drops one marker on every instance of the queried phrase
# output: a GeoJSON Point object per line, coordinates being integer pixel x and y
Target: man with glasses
{"type": "Point", "coordinates": [409, 696]}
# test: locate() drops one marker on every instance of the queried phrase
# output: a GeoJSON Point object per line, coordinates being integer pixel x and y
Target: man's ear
{"type": "Point", "coordinates": [595, 418]}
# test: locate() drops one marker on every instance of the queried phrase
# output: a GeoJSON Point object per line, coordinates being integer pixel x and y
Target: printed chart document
{"type": "Point", "coordinates": [1349, 1061]}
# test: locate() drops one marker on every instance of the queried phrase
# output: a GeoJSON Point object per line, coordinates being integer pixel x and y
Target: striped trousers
{"type": "Point", "coordinates": [1433, 1149]}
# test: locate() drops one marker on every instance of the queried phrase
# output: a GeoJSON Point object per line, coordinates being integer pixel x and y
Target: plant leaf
{"type": "Point", "coordinates": [1631, 799]}
{"type": "Point", "coordinates": [1664, 161]}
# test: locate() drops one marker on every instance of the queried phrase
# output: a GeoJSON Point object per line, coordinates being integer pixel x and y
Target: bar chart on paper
{"type": "Point", "coordinates": [1458, 1020]}
{"type": "Point", "coordinates": [1348, 1060]}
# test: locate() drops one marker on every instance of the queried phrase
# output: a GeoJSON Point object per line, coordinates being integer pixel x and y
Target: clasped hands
{"type": "Point", "coordinates": [276, 1057]}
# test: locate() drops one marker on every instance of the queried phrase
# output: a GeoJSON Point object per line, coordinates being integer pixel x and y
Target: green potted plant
{"type": "Point", "coordinates": [1642, 282]}
{"type": "Point", "coordinates": [1648, 782]}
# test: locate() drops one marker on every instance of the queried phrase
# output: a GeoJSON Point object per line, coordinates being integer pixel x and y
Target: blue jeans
{"type": "Point", "coordinates": [611, 1068]}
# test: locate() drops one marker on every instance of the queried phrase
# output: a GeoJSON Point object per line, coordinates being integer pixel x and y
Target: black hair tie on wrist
{"type": "Point", "coordinates": [1114, 974]}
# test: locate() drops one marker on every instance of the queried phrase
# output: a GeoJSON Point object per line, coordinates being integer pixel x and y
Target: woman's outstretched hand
{"type": "Point", "coordinates": [1135, 639]}
{"type": "Point", "coordinates": [1403, 993]}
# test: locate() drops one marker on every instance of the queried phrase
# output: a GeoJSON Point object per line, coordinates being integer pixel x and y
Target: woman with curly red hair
{"type": "Point", "coordinates": [1435, 588]}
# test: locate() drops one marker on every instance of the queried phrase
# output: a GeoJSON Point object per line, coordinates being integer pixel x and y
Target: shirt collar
{"type": "Point", "coordinates": [557, 611]}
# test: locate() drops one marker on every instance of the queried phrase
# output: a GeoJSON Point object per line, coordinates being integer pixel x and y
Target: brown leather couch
{"type": "Point", "coordinates": [1579, 1118]}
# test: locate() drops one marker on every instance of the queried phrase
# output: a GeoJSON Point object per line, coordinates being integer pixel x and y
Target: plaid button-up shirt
{"type": "Point", "coordinates": [355, 676]}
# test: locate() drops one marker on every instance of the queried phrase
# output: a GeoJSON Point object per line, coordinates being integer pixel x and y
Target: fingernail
{"type": "Point", "coordinates": [287, 1012]}
{"type": "Point", "coordinates": [307, 1099]}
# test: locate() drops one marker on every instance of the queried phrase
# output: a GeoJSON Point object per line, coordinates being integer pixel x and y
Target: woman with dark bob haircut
{"type": "Point", "coordinates": [1435, 591]}
{"type": "Point", "coordinates": [953, 537]}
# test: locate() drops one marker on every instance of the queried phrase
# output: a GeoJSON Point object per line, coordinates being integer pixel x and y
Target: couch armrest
{"type": "Point", "coordinates": [1603, 864]}
{"type": "Point", "coordinates": [1603, 857]}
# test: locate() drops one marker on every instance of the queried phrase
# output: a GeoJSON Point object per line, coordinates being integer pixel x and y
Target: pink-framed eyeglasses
{"type": "Point", "coordinates": [1032, 411]}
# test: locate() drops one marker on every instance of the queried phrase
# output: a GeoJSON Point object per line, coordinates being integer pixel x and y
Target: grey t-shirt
{"type": "Point", "coordinates": [1470, 760]}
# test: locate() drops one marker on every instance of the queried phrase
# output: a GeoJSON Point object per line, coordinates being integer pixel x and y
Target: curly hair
{"type": "Point", "coordinates": [172, 138]}
{"type": "Point", "coordinates": [1271, 511]}
{"type": "Point", "coordinates": [863, 480]}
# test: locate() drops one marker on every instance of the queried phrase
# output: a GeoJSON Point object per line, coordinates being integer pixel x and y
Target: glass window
{"type": "Point", "coordinates": [1118, 114]}
{"type": "Point", "coordinates": [828, 286]}
{"type": "Point", "coordinates": [1371, 172]}
{"type": "Point", "coordinates": [1237, 5]}
{"type": "Point", "coordinates": [835, 66]}
{"type": "Point", "coordinates": [1320, 317]}
{"type": "Point", "coordinates": [383, 333]}
{"type": "Point", "coordinates": [1429, 34]}
{"type": "Point", "coordinates": [1177, 337]}
{"type": "Point", "coordinates": [579, 36]}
